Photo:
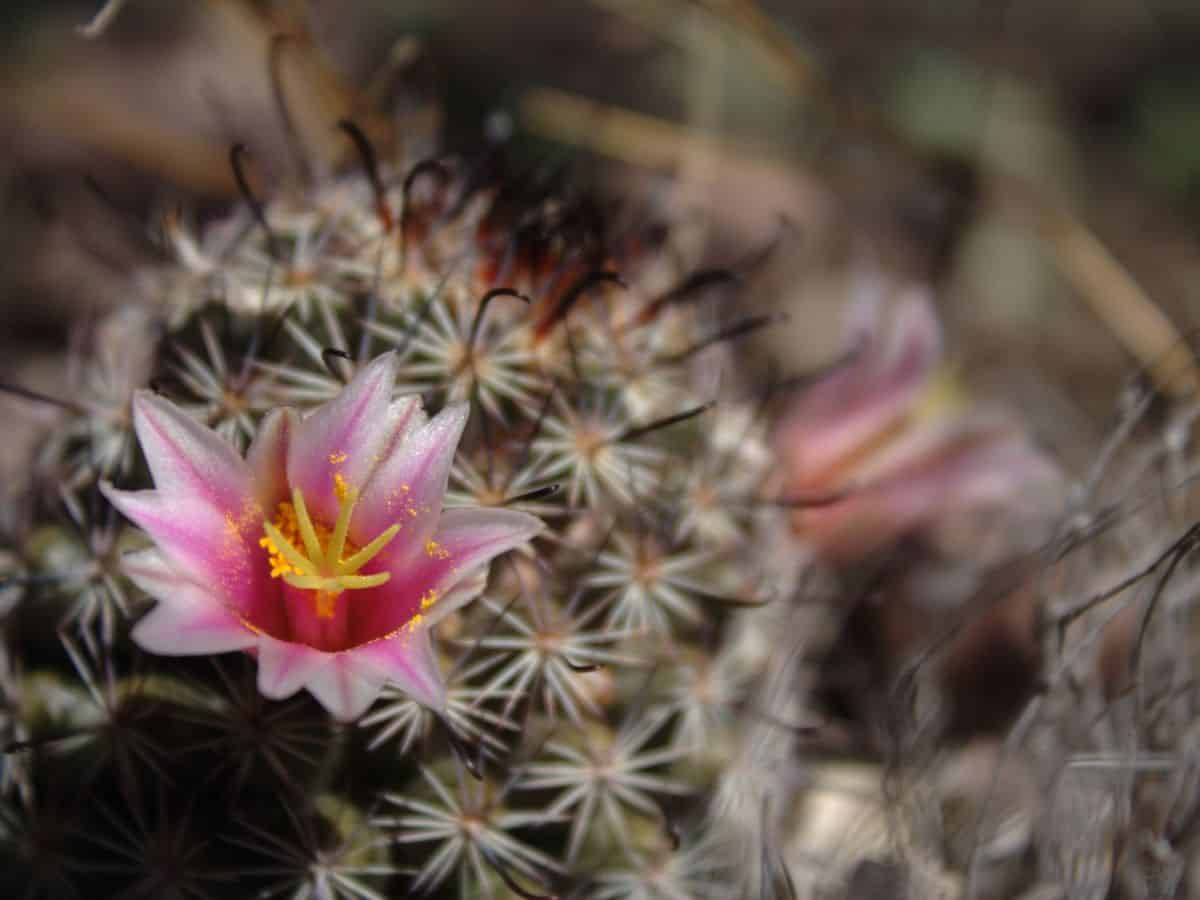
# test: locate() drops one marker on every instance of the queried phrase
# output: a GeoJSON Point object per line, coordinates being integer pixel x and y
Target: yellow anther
{"type": "Point", "coordinates": [296, 561]}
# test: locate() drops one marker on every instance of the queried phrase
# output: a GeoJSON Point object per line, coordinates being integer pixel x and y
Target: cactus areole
{"type": "Point", "coordinates": [325, 552]}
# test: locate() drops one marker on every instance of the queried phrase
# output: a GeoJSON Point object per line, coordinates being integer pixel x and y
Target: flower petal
{"type": "Point", "coordinates": [150, 570]}
{"type": "Point", "coordinates": [343, 437]}
{"type": "Point", "coordinates": [408, 487]}
{"type": "Point", "coordinates": [977, 484]}
{"type": "Point", "coordinates": [466, 540]}
{"type": "Point", "coordinates": [267, 457]}
{"type": "Point", "coordinates": [191, 533]}
{"type": "Point", "coordinates": [285, 667]}
{"type": "Point", "coordinates": [188, 619]}
{"type": "Point", "coordinates": [345, 688]}
{"type": "Point", "coordinates": [186, 458]}
{"type": "Point", "coordinates": [406, 660]}
{"type": "Point", "coordinates": [405, 416]}
{"type": "Point", "coordinates": [206, 547]}
{"type": "Point", "coordinates": [191, 625]}
{"type": "Point", "coordinates": [1005, 499]}
{"type": "Point", "coordinates": [861, 399]}
{"type": "Point", "coordinates": [455, 598]}
{"type": "Point", "coordinates": [469, 538]}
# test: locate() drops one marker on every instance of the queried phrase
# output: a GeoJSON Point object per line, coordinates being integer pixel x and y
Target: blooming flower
{"type": "Point", "coordinates": [897, 454]}
{"type": "Point", "coordinates": [325, 552]}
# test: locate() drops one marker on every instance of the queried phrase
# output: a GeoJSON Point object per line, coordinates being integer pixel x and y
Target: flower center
{"type": "Point", "coordinates": [328, 564]}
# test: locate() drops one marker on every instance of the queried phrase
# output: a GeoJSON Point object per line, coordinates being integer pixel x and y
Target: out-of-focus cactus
{"type": "Point", "coordinates": [446, 447]}
{"type": "Point", "coordinates": [1021, 651]}
{"type": "Point", "coordinates": [934, 518]}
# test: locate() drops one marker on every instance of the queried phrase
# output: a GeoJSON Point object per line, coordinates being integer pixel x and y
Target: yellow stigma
{"type": "Point", "coordinates": [328, 564]}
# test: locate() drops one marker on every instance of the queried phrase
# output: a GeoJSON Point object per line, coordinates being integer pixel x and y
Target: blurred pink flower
{"type": "Point", "coordinates": [325, 552]}
{"type": "Point", "coordinates": [892, 458]}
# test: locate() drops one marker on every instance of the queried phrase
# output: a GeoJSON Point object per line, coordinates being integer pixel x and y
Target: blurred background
{"type": "Point", "coordinates": [1037, 162]}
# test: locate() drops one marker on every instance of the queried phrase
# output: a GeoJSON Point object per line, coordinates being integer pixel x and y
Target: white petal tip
{"type": "Point", "coordinates": [345, 689]}
{"type": "Point", "coordinates": [195, 631]}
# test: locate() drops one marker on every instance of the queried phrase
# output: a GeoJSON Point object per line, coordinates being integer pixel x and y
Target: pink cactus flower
{"type": "Point", "coordinates": [325, 552]}
{"type": "Point", "coordinates": [876, 438]}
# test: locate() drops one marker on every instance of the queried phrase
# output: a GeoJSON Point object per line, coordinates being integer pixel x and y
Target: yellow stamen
{"type": "Point", "coordinates": [321, 567]}
{"type": "Point", "coordinates": [369, 552]}
{"type": "Point", "coordinates": [307, 532]}
{"type": "Point", "coordinates": [338, 544]}
{"type": "Point", "coordinates": [365, 581]}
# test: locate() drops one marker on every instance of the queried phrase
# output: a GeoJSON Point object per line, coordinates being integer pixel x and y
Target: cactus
{"type": "Point", "coordinates": [416, 529]}
{"type": "Point", "coordinates": [574, 691]}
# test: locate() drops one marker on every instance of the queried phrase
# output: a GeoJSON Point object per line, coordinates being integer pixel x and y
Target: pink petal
{"type": "Point", "coordinates": [345, 688]}
{"type": "Point", "coordinates": [214, 549]}
{"type": "Point", "coordinates": [153, 573]}
{"type": "Point", "coordinates": [188, 618]}
{"type": "Point", "coordinates": [191, 533]}
{"type": "Point", "coordinates": [405, 417]}
{"type": "Point", "coordinates": [1003, 498]}
{"type": "Point", "coordinates": [186, 458]}
{"type": "Point", "coordinates": [406, 660]}
{"type": "Point", "coordinates": [285, 667]}
{"type": "Point", "coordinates": [191, 625]}
{"type": "Point", "coordinates": [469, 538]}
{"type": "Point", "coordinates": [455, 598]}
{"type": "Point", "coordinates": [953, 472]}
{"type": "Point", "coordinates": [343, 437]}
{"type": "Point", "coordinates": [859, 401]}
{"type": "Point", "coordinates": [267, 457]}
{"type": "Point", "coordinates": [408, 486]}
{"type": "Point", "coordinates": [465, 540]}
